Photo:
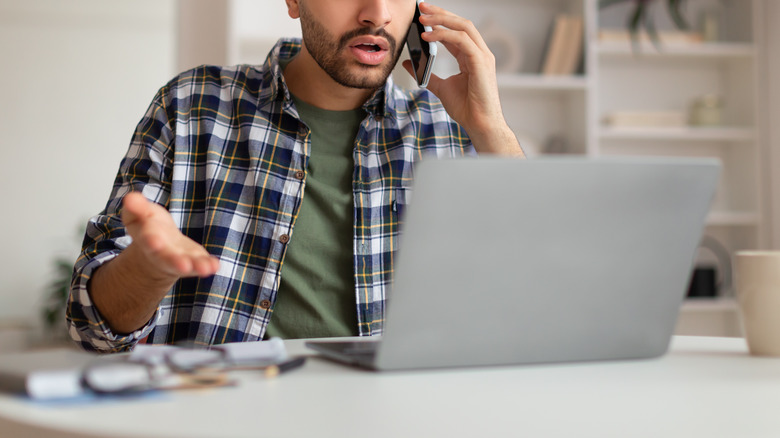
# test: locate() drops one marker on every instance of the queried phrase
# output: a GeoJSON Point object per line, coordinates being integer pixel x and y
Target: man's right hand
{"type": "Point", "coordinates": [128, 289]}
{"type": "Point", "coordinates": [170, 253]}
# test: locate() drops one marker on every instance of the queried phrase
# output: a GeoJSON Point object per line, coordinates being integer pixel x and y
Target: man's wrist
{"type": "Point", "coordinates": [128, 289]}
{"type": "Point", "coordinates": [500, 141]}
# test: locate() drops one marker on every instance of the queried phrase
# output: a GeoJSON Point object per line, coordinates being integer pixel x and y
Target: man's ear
{"type": "Point", "coordinates": [293, 9]}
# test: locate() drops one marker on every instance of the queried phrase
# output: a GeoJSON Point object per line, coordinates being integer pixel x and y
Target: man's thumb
{"type": "Point", "coordinates": [134, 208]}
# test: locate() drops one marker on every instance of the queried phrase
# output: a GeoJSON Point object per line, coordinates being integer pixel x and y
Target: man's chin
{"type": "Point", "coordinates": [364, 77]}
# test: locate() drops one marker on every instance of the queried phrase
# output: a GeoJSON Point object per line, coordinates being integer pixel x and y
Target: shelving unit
{"type": "Point", "coordinates": [670, 79]}
{"type": "Point", "coordinates": [613, 77]}
{"type": "Point", "coordinates": [619, 76]}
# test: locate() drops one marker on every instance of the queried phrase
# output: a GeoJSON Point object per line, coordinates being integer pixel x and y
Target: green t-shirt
{"type": "Point", "coordinates": [316, 296]}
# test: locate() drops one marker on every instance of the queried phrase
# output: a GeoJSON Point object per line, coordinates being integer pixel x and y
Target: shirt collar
{"type": "Point", "coordinates": [274, 87]}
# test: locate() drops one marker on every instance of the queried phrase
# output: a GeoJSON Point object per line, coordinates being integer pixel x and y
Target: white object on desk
{"type": "Point", "coordinates": [271, 350]}
{"type": "Point", "coordinates": [44, 375]}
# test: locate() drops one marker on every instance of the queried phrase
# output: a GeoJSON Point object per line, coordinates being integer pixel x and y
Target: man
{"type": "Point", "coordinates": [266, 201]}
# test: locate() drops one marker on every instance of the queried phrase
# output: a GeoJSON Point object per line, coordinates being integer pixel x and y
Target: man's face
{"type": "Point", "coordinates": [356, 42]}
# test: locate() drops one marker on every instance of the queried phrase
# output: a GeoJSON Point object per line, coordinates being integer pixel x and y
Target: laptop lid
{"type": "Point", "coordinates": [506, 261]}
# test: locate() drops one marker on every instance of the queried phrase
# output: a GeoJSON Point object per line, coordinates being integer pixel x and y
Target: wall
{"type": "Point", "coordinates": [253, 28]}
{"type": "Point", "coordinates": [202, 33]}
{"type": "Point", "coordinates": [76, 77]}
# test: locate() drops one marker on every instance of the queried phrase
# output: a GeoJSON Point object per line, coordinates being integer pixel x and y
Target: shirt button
{"type": "Point", "coordinates": [284, 238]}
{"type": "Point", "coordinates": [265, 304]}
{"type": "Point", "coordinates": [300, 174]}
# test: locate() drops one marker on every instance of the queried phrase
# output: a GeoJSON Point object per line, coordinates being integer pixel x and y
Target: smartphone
{"type": "Point", "coordinates": [421, 52]}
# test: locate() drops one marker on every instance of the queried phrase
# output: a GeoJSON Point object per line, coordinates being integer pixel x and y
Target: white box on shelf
{"type": "Point", "coordinates": [646, 119]}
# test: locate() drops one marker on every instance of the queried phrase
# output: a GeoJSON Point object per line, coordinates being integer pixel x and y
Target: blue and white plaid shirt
{"type": "Point", "coordinates": [223, 149]}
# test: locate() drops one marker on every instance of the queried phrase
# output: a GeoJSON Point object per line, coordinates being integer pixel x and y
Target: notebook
{"type": "Point", "coordinates": [505, 261]}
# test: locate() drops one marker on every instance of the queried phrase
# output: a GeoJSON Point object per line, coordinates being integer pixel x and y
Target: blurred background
{"type": "Point", "coordinates": [78, 75]}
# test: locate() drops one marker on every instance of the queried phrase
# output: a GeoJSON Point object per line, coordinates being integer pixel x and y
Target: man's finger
{"type": "Point", "coordinates": [135, 207]}
{"type": "Point", "coordinates": [205, 266]}
{"type": "Point", "coordinates": [457, 42]}
{"type": "Point", "coordinates": [437, 17]}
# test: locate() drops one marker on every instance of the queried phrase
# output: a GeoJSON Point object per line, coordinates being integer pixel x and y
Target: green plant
{"type": "Point", "coordinates": [56, 294]}
{"type": "Point", "coordinates": [53, 311]}
{"type": "Point", "coordinates": [641, 17]}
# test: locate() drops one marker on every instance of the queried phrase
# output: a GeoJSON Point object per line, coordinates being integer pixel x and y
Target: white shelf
{"type": "Point", "coordinates": [710, 305]}
{"type": "Point", "coordinates": [686, 133]}
{"type": "Point", "coordinates": [703, 50]}
{"type": "Point", "coordinates": [733, 218]}
{"type": "Point", "coordinates": [540, 82]}
{"type": "Point", "coordinates": [709, 317]}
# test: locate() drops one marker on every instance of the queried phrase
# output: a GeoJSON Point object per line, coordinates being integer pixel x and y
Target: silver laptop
{"type": "Point", "coordinates": [506, 261]}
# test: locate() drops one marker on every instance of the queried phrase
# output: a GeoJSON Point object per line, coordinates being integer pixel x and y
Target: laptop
{"type": "Point", "coordinates": [504, 261]}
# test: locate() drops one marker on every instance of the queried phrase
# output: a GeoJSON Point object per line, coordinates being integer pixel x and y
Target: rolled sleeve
{"type": "Point", "coordinates": [145, 168]}
{"type": "Point", "coordinates": [86, 325]}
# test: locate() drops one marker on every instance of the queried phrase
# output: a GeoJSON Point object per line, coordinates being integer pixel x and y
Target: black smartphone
{"type": "Point", "coordinates": [421, 52]}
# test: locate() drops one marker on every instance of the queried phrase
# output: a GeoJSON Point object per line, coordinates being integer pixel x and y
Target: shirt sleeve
{"type": "Point", "coordinates": [146, 168]}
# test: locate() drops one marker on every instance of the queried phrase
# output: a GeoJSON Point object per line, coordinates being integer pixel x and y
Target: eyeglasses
{"type": "Point", "coordinates": [175, 367]}
{"type": "Point", "coordinates": [132, 377]}
{"type": "Point", "coordinates": [237, 355]}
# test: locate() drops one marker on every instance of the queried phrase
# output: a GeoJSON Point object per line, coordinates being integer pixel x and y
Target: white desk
{"type": "Point", "coordinates": [704, 387]}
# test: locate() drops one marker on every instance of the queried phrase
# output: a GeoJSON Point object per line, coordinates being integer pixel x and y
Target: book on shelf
{"type": "Point", "coordinates": [564, 46]}
{"type": "Point", "coordinates": [646, 119]}
{"type": "Point", "coordinates": [554, 46]}
{"type": "Point", "coordinates": [573, 47]}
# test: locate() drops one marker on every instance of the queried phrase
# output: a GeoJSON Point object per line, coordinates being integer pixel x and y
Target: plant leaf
{"type": "Point", "coordinates": [634, 21]}
{"type": "Point", "coordinates": [674, 7]}
{"type": "Point", "coordinates": [652, 32]}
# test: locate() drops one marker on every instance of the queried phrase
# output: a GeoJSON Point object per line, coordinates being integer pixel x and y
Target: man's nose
{"type": "Point", "coordinates": [374, 13]}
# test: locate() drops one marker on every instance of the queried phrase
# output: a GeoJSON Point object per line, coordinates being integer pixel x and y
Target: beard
{"type": "Point", "coordinates": [329, 54]}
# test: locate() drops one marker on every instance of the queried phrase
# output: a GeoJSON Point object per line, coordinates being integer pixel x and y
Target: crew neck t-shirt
{"type": "Point", "coordinates": [316, 296]}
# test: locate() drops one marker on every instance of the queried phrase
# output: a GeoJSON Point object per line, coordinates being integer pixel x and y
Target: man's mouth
{"type": "Point", "coordinates": [369, 50]}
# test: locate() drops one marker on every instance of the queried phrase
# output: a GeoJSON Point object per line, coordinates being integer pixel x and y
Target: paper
{"type": "Point", "coordinates": [242, 353]}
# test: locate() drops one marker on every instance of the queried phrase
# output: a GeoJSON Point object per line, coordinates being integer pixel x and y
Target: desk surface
{"type": "Point", "coordinates": [707, 387]}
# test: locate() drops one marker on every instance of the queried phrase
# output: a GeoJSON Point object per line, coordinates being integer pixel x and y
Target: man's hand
{"type": "Point", "coordinates": [169, 253]}
{"type": "Point", "coordinates": [470, 97]}
{"type": "Point", "coordinates": [128, 289]}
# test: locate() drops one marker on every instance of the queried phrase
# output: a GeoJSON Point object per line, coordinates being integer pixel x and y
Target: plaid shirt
{"type": "Point", "coordinates": [223, 149]}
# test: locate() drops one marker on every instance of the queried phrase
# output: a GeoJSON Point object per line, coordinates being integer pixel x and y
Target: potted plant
{"type": "Point", "coordinates": [53, 310]}
{"type": "Point", "coordinates": [640, 17]}
{"type": "Point", "coordinates": [56, 295]}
